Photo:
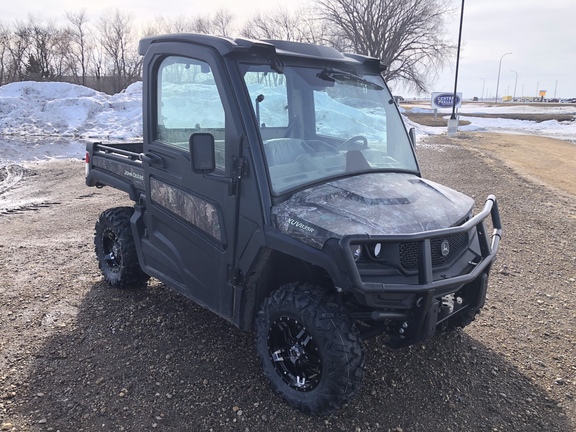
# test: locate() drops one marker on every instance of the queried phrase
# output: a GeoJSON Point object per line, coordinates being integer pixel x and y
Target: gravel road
{"type": "Point", "coordinates": [76, 355]}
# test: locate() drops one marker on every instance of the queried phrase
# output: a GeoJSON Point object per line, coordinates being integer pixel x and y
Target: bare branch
{"type": "Point", "coordinates": [298, 26]}
{"type": "Point", "coordinates": [81, 51]}
{"type": "Point", "coordinates": [408, 35]}
{"type": "Point", "coordinates": [120, 47]}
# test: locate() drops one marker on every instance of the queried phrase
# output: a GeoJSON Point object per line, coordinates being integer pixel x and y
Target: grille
{"type": "Point", "coordinates": [409, 251]}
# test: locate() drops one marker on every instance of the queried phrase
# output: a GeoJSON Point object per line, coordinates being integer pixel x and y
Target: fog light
{"type": "Point", "coordinates": [356, 251]}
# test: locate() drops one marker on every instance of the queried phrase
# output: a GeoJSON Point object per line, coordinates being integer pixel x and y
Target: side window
{"type": "Point", "coordinates": [269, 88]}
{"type": "Point", "coordinates": [189, 102]}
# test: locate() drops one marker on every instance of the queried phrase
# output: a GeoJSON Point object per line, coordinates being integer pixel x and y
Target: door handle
{"type": "Point", "coordinates": [151, 159]}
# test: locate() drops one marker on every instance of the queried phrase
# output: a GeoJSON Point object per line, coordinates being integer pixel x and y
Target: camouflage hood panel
{"type": "Point", "coordinates": [375, 204]}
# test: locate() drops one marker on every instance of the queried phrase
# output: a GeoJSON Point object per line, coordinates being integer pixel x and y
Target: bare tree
{"type": "Point", "coordinates": [118, 42]}
{"type": "Point", "coordinates": [297, 26]}
{"type": "Point", "coordinates": [62, 63]}
{"type": "Point", "coordinates": [162, 25]}
{"type": "Point", "coordinates": [408, 35]}
{"type": "Point", "coordinates": [33, 51]}
{"type": "Point", "coordinates": [41, 59]}
{"type": "Point", "coordinates": [219, 24]}
{"type": "Point", "coordinates": [97, 68]}
{"type": "Point", "coordinates": [222, 23]}
{"type": "Point", "coordinates": [202, 25]}
{"type": "Point", "coordinates": [19, 49]}
{"type": "Point", "coordinates": [80, 40]}
{"type": "Point", "coordinates": [4, 53]}
{"type": "Point", "coordinates": [179, 25]}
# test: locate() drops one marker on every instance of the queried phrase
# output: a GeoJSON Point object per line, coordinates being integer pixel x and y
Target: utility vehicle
{"type": "Point", "coordinates": [278, 186]}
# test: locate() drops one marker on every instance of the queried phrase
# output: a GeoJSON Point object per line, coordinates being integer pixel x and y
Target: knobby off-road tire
{"type": "Point", "coordinates": [115, 249]}
{"type": "Point", "coordinates": [309, 349]}
{"type": "Point", "coordinates": [460, 320]}
{"type": "Point", "coordinates": [466, 317]}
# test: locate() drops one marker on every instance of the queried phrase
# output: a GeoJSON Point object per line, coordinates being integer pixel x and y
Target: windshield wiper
{"type": "Point", "coordinates": [341, 76]}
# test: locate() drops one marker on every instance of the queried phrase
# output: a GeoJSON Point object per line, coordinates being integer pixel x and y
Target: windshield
{"type": "Point", "coordinates": [325, 123]}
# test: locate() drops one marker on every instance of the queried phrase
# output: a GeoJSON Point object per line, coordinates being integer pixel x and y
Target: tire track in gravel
{"type": "Point", "coordinates": [9, 176]}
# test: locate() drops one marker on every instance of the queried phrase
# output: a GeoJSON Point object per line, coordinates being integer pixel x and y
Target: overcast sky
{"type": "Point", "coordinates": [540, 34]}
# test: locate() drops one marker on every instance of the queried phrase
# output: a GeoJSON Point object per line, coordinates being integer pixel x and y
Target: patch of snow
{"type": "Point", "coordinates": [56, 109]}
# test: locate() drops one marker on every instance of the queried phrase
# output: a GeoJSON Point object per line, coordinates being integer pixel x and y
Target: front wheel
{"type": "Point", "coordinates": [115, 249]}
{"type": "Point", "coordinates": [309, 349]}
{"type": "Point", "coordinates": [461, 320]}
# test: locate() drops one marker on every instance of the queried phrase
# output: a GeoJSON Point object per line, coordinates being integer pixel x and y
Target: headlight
{"type": "Point", "coordinates": [377, 250]}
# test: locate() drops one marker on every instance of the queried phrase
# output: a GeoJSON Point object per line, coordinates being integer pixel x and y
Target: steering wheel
{"type": "Point", "coordinates": [354, 139]}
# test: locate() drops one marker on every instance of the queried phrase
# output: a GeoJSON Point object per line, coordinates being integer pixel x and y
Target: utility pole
{"type": "Point", "coordinates": [498, 80]}
{"type": "Point", "coordinates": [515, 82]}
{"type": "Point", "coordinates": [453, 121]}
{"type": "Point", "coordinates": [555, 87]}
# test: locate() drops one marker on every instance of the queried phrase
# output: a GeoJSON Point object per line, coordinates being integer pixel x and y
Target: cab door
{"type": "Point", "coordinates": [190, 218]}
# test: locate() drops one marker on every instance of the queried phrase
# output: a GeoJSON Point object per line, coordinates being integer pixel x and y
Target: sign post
{"type": "Point", "coordinates": [542, 94]}
{"type": "Point", "coordinates": [452, 126]}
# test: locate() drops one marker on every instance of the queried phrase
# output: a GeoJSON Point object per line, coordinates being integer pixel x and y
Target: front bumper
{"type": "Point", "coordinates": [415, 300]}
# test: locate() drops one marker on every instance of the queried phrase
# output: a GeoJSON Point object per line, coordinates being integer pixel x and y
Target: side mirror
{"type": "Point", "coordinates": [202, 153]}
{"type": "Point", "coordinates": [412, 135]}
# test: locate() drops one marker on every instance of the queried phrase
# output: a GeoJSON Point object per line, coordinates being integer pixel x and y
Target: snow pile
{"type": "Point", "coordinates": [549, 128]}
{"type": "Point", "coordinates": [419, 110]}
{"type": "Point", "coordinates": [69, 110]}
{"type": "Point", "coordinates": [502, 108]}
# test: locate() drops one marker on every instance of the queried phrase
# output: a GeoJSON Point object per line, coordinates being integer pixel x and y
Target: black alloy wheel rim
{"type": "Point", "coordinates": [111, 250]}
{"type": "Point", "coordinates": [294, 354]}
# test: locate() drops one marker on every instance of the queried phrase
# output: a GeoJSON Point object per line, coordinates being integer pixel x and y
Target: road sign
{"type": "Point", "coordinates": [444, 100]}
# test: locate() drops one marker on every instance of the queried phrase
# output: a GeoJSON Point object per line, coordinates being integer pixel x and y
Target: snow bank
{"type": "Point", "coordinates": [68, 110]}
{"type": "Point", "coordinates": [550, 128]}
{"type": "Point", "coordinates": [565, 130]}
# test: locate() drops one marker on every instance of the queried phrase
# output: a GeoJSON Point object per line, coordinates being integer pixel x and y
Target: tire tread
{"type": "Point", "coordinates": [340, 343]}
{"type": "Point", "coordinates": [118, 220]}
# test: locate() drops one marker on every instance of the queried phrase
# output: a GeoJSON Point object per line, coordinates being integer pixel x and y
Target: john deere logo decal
{"type": "Point", "coordinates": [445, 248]}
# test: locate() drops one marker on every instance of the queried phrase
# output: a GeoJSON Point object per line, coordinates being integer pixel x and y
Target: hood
{"type": "Point", "coordinates": [374, 204]}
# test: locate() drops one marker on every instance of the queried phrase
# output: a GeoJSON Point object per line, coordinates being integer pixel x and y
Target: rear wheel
{"type": "Point", "coordinates": [115, 249]}
{"type": "Point", "coordinates": [309, 349]}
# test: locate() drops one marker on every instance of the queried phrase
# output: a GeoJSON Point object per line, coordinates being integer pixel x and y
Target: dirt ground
{"type": "Point", "coordinates": [77, 355]}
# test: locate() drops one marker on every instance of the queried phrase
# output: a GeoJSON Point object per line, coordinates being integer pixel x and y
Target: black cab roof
{"type": "Point", "coordinates": [226, 46]}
